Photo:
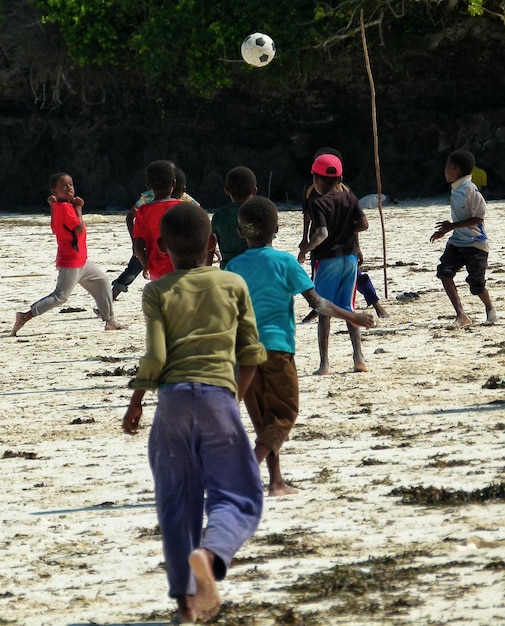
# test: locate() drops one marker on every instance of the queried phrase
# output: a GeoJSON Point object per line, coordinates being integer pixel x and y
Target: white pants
{"type": "Point", "coordinates": [90, 278]}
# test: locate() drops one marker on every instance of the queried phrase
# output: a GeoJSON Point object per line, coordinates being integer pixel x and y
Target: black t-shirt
{"type": "Point", "coordinates": [338, 212]}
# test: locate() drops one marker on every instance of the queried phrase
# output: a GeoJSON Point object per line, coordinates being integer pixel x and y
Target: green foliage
{"type": "Point", "coordinates": [195, 45]}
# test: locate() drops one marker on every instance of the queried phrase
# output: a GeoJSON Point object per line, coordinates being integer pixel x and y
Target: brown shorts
{"type": "Point", "coordinates": [272, 399]}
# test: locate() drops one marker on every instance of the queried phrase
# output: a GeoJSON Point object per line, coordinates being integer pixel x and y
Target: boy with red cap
{"type": "Point", "coordinates": [336, 218]}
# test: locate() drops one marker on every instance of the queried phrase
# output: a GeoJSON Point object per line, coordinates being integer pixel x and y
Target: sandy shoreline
{"type": "Point", "coordinates": [79, 540]}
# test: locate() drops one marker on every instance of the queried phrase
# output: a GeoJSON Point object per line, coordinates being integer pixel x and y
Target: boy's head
{"type": "Point", "coordinates": [180, 183]}
{"type": "Point", "coordinates": [240, 184]}
{"type": "Point", "coordinates": [185, 231]}
{"type": "Point", "coordinates": [326, 172]}
{"type": "Point", "coordinates": [459, 163]}
{"type": "Point", "coordinates": [61, 186]}
{"type": "Point", "coordinates": [160, 177]}
{"type": "Point", "coordinates": [258, 220]}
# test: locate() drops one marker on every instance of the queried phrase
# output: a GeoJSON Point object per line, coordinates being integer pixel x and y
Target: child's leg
{"type": "Point", "coordinates": [126, 278]}
{"type": "Point", "coordinates": [357, 354]}
{"type": "Point", "coordinates": [272, 402]}
{"type": "Point", "coordinates": [323, 335]}
{"type": "Point", "coordinates": [67, 280]}
{"type": "Point", "coordinates": [231, 476]}
{"type": "Point", "coordinates": [490, 310]}
{"type": "Point", "coordinates": [96, 283]}
{"type": "Point", "coordinates": [178, 487]}
{"type": "Point", "coordinates": [462, 318]}
{"type": "Point", "coordinates": [476, 265]}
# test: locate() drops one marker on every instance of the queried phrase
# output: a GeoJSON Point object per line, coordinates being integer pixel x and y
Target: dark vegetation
{"type": "Point", "coordinates": [101, 88]}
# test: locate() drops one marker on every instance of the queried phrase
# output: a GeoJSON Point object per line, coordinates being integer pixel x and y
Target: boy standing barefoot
{"type": "Point", "coordinates": [273, 278]}
{"type": "Point", "coordinates": [199, 323]}
{"type": "Point", "coordinates": [468, 245]}
{"type": "Point", "coordinates": [336, 218]}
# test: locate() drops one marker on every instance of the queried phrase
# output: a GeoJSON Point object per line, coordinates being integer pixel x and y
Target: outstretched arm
{"type": "Point", "coordinates": [327, 308]}
{"type": "Point", "coordinates": [446, 226]}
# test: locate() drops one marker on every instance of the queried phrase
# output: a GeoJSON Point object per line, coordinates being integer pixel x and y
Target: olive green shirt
{"type": "Point", "coordinates": [199, 323]}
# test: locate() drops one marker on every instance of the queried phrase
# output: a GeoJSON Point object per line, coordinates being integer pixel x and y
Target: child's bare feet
{"type": "Point", "coordinates": [21, 319]}
{"type": "Point", "coordinates": [380, 310]}
{"type": "Point", "coordinates": [359, 365]}
{"type": "Point", "coordinates": [113, 325]}
{"type": "Point", "coordinates": [462, 320]}
{"type": "Point", "coordinates": [186, 614]}
{"type": "Point", "coordinates": [206, 600]}
{"type": "Point", "coordinates": [491, 316]}
{"type": "Point", "coordinates": [324, 370]}
{"type": "Point", "coordinates": [281, 489]}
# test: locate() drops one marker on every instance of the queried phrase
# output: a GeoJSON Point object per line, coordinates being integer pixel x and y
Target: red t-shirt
{"type": "Point", "coordinates": [147, 227]}
{"type": "Point", "coordinates": [72, 250]}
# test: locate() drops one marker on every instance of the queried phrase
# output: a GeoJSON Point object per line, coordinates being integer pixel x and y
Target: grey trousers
{"type": "Point", "coordinates": [91, 278]}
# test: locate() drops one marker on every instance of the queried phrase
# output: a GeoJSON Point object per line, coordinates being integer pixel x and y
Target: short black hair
{"type": "Point", "coordinates": [240, 182]}
{"type": "Point", "coordinates": [463, 159]}
{"type": "Point", "coordinates": [160, 175]}
{"type": "Point", "coordinates": [54, 178]}
{"type": "Point", "coordinates": [328, 151]}
{"type": "Point", "coordinates": [185, 230]}
{"type": "Point", "coordinates": [258, 219]}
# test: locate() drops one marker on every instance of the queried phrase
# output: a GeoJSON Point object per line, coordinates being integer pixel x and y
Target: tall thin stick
{"type": "Point", "coordinates": [376, 149]}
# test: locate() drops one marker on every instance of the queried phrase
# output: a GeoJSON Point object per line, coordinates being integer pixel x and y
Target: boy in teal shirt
{"type": "Point", "coordinates": [273, 278]}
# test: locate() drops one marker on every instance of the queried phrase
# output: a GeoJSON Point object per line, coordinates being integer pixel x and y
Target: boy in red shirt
{"type": "Point", "coordinates": [160, 178]}
{"type": "Point", "coordinates": [71, 258]}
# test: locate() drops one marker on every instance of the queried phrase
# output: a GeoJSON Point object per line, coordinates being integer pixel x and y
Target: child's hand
{"type": "Point", "coordinates": [78, 202]}
{"type": "Point", "coordinates": [443, 228]}
{"type": "Point", "coordinates": [146, 274]}
{"type": "Point", "coordinates": [51, 200]}
{"type": "Point", "coordinates": [363, 319]}
{"type": "Point", "coordinates": [131, 419]}
{"type": "Point", "coordinates": [301, 258]}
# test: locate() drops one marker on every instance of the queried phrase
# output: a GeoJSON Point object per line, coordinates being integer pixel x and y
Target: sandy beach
{"type": "Point", "coordinates": [400, 469]}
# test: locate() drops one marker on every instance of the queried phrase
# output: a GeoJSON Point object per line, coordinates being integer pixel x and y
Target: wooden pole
{"type": "Point", "coordinates": [376, 149]}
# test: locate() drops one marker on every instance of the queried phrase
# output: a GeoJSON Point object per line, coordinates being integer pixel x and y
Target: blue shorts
{"type": "Point", "coordinates": [335, 280]}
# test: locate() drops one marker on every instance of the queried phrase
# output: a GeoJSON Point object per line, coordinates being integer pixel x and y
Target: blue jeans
{"type": "Point", "coordinates": [133, 269]}
{"type": "Point", "coordinates": [198, 445]}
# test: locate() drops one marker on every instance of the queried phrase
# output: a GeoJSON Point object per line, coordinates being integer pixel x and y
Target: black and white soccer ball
{"type": "Point", "coordinates": [258, 49]}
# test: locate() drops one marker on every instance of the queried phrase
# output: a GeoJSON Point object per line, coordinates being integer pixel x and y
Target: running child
{"type": "Point", "coordinates": [197, 443]}
{"type": "Point", "coordinates": [72, 261]}
{"type": "Point", "coordinates": [468, 245]}
{"type": "Point", "coordinates": [273, 278]}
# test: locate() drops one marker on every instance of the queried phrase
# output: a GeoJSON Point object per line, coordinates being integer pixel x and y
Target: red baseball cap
{"type": "Point", "coordinates": [327, 165]}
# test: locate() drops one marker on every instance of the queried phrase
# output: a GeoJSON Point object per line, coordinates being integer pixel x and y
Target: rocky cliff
{"type": "Point", "coordinates": [443, 90]}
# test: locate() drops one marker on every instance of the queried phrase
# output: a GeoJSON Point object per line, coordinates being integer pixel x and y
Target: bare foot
{"type": "Point", "coordinates": [380, 310]}
{"type": "Point", "coordinates": [462, 320]}
{"type": "Point", "coordinates": [360, 366]}
{"type": "Point", "coordinates": [21, 319]}
{"type": "Point", "coordinates": [113, 325]}
{"type": "Point", "coordinates": [491, 316]}
{"type": "Point", "coordinates": [322, 371]}
{"type": "Point", "coordinates": [206, 600]}
{"type": "Point", "coordinates": [310, 316]}
{"type": "Point", "coordinates": [281, 490]}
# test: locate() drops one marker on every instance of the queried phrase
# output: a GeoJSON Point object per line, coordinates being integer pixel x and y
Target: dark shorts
{"type": "Point", "coordinates": [475, 261]}
{"type": "Point", "coordinates": [272, 399]}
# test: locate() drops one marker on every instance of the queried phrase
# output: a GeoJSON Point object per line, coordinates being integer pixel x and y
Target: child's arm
{"type": "Point", "coordinates": [130, 218]}
{"type": "Point", "coordinates": [78, 204]}
{"type": "Point", "coordinates": [133, 413]}
{"type": "Point", "coordinates": [244, 378]}
{"type": "Point", "coordinates": [325, 307]}
{"type": "Point", "coordinates": [446, 226]}
{"type": "Point", "coordinates": [319, 235]}
{"type": "Point", "coordinates": [361, 225]}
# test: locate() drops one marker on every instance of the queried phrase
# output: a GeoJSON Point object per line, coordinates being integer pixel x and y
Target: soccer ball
{"type": "Point", "coordinates": [258, 49]}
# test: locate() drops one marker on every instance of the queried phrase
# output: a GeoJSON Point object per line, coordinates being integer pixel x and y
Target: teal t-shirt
{"type": "Point", "coordinates": [273, 278]}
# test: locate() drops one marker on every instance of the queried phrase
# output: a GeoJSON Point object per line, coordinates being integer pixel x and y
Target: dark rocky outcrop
{"type": "Point", "coordinates": [443, 91]}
